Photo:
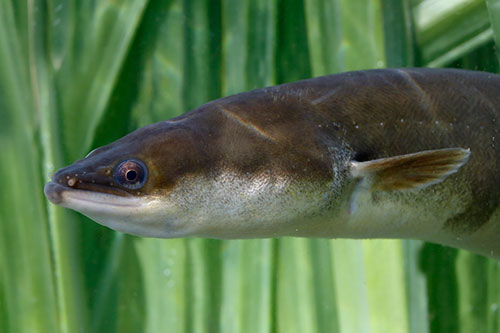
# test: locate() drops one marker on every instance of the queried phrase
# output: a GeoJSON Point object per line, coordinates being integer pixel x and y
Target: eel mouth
{"type": "Point", "coordinates": [70, 197]}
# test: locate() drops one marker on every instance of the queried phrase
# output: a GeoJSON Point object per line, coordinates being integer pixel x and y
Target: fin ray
{"type": "Point", "coordinates": [410, 171]}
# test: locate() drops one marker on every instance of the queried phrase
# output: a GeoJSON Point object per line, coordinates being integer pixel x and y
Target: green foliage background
{"type": "Point", "coordinates": [75, 75]}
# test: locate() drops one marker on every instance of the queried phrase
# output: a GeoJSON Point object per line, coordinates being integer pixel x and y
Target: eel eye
{"type": "Point", "coordinates": [131, 174]}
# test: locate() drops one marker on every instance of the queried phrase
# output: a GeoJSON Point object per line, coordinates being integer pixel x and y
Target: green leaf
{"type": "Point", "coordinates": [445, 27]}
{"type": "Point", "coordinates": [494, 16]}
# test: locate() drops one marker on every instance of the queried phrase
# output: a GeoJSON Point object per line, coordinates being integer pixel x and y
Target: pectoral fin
{"type": "Point", "coordinates": [410, 171]}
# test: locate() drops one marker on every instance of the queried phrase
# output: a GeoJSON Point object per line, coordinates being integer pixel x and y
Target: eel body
{"type": "Point", "coordinates": [396, 153]}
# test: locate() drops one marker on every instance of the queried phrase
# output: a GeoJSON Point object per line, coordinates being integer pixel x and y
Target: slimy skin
{"type": "Point", "coordinates": [395, 153]}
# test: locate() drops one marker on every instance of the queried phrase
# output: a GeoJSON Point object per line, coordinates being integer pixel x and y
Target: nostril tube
{"type": "Point", "coordinates": [72, 182]}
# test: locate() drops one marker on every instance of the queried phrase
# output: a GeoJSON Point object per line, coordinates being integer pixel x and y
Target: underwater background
{"type": "Point", "coordinates": [75, 75]}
